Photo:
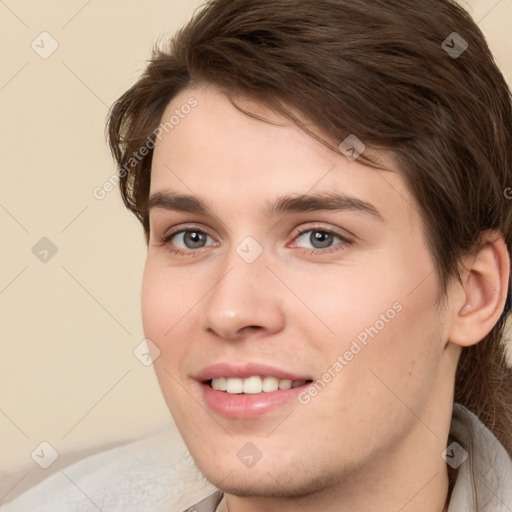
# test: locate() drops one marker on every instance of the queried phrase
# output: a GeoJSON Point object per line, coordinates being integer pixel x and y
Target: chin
{"type": "Point", "coordinates": [261, 482]}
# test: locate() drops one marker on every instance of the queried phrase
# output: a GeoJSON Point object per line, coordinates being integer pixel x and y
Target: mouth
{"type": "Point", "coordinates": [249, 390]}
{"type": "Point", "coordinates": [254, 385]}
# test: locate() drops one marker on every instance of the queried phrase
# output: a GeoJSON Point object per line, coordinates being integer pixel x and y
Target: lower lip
{"type": "Point", "coordinates": [247, 405]}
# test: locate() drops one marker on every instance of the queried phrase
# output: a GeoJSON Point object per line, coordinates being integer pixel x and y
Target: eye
{"type": "Point", "coordinates": [319, 240]}
{"type": "Point", "coordinates": [187, 239]}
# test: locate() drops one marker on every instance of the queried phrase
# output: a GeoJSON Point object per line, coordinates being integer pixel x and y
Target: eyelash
{"type": "Point", "coordinates": [334, 248]}
{"type": "Point", "coordinates": [166, 241]}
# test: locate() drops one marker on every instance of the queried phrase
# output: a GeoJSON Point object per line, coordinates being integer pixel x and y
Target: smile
{"type": "Point", "coordinates": [253, 385]}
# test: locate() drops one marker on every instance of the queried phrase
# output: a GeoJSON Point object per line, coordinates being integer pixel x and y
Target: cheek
{"type": "Point", "coordinates": [383, 323]}
{"type": "Point", "coordinates": [167, 296]}
{"type": "Point", "coordinates": [155, 295]}
{"type": "Point", "coordinates": [166, 301]}
{"type": "Point", "coordinates": [344, 302]}
{"type": "Point", "coordinates": [398, 367]}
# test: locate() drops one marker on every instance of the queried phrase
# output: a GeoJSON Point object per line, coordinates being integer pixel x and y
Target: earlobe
{"type": "Point", "coordinates": [480, 302]}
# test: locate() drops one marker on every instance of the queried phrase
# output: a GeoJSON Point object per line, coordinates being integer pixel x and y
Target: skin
{"type": "Point", "coordinates": [372, 438]}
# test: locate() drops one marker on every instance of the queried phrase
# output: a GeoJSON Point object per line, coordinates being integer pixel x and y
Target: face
{"type": "Point", "coordinates": [285, 262]}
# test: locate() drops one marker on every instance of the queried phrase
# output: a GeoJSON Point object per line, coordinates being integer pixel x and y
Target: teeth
{"type": "Point", "coordinates": [253, 385]}
{"type": "Point", "coordinates": [221, 384]}
{"type": "Point", "coordinates": [285, 384]}
{"type": "Point", "coordinates": [235, 386]}
{"type": "Point", "coordinates": [270, 384]}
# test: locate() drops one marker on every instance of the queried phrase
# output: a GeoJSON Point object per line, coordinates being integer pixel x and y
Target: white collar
{"type": "Point", "coordinates": [488, 463]}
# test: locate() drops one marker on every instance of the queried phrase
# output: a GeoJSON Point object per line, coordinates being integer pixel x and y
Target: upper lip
{"type": "Point", "coordinates": [243, 371]}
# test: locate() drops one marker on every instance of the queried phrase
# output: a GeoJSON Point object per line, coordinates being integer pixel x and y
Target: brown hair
{"type": "Point", "coordinates": [380, 69]}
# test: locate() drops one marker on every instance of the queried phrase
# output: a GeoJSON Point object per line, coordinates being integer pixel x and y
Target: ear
{"type": "Point", "coordinates": [479, 301]}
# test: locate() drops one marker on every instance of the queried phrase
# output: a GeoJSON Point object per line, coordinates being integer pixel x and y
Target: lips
{"type": "Point", "coordinates": [244, 371]}
{"type": "Point", "coordinates": [249, 390]}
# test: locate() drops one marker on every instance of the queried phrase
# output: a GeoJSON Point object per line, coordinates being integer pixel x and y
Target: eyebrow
{"type": "Point", "coordinates": [301, 203]}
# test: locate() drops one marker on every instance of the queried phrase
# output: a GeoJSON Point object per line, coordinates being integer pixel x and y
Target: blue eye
{"type": "Point", "coordinates": [313, 241]}
{"type": "Point", "coordinates": [319, 239]}
{"type": "Point", "coordinates": [188, 239]}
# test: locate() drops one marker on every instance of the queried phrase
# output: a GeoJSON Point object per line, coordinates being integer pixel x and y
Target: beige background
{"type": "Point", "coordinates": [69, 326]}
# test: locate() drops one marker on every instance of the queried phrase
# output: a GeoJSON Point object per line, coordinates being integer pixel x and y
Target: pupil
{"type": "Point", "coordinates": [320, 239]}
{"type": "Point", "coordinates": [194, 239]}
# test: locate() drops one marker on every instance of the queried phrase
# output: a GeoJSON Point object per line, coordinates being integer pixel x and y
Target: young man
{"type": "Point", "coordinates": [323, 190]}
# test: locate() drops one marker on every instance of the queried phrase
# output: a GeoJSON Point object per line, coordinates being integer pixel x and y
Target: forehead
{"type": "Point", "coordinates": [224, 156]}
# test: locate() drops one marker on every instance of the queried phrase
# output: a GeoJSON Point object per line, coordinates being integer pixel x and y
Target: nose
{"type": "Point", "coordinates": [243, 301]}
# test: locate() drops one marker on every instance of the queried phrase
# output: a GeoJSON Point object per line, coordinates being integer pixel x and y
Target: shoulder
{"type": "Point", "coordinates": [484, 479]}
{"type": "Point", "coordinates": [153, 474]}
